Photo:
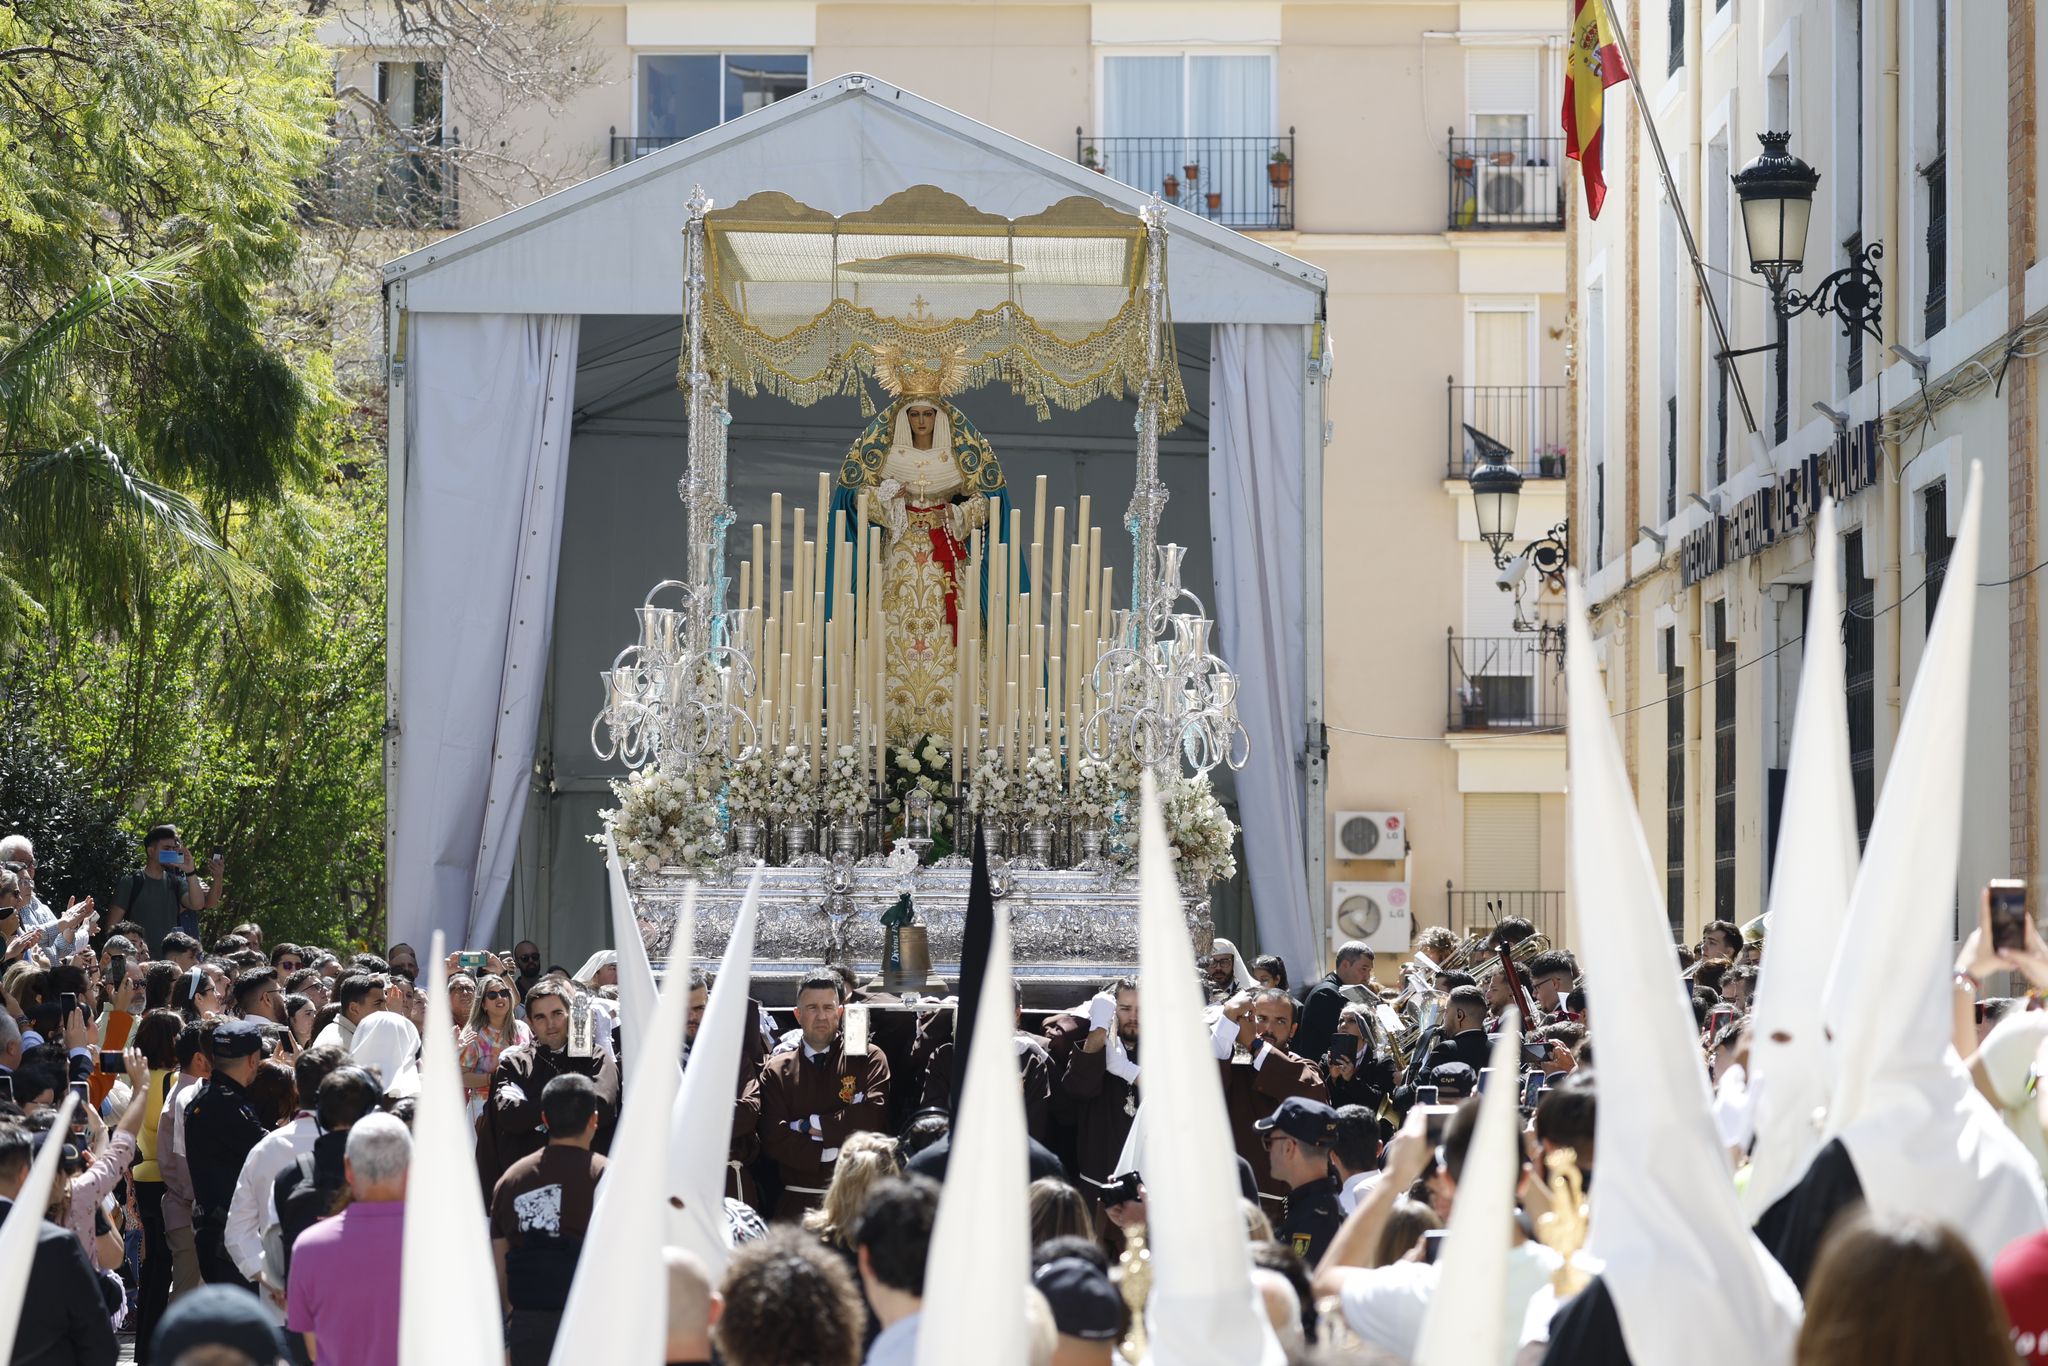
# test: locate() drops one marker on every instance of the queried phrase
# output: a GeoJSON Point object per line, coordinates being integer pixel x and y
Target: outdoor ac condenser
{"type": "Point", "coordinates": [1375, 912]}
{"type": "Point", "coordinates": [1369, 834]}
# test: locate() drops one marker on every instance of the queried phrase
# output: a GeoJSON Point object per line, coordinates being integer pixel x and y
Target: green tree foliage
{"type": "Point", "coordinates": [191, 518]}
{"type": "Point", "coordinates": [152, 159]}
{"type": "Point", "coordinates": [257, 738]}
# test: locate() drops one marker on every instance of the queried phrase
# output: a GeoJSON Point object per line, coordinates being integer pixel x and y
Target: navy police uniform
{"type": "Point", "coordinates": [221, 1126]}
{"type": "Point", "coordinates": [1312, 1216]}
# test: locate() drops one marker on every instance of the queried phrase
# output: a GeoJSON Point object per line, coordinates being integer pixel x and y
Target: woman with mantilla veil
{"type": "Point", "coordinates": [931, 480]}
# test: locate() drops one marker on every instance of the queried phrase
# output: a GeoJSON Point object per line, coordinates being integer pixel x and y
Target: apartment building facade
{"type": "Point", "coordinates": [1920, 117]}
{"type": "Point", "coordinates": [1411, 150]}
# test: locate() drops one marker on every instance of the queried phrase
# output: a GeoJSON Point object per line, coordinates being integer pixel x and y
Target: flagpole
{"type": "Point", "coordinates": [1692, 249]}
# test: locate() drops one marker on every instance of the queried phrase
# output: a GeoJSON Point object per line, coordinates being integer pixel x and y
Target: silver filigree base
{"type": "Point", "coordinates": [1064, 923]}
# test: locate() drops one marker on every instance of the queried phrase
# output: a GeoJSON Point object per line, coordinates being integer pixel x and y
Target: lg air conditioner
{"type": "Point", "coordinates": [1508, 194]}
{"type": "Point", "coordinates": [1370, 834]}
{"type": "Point", "coordinates": [1375, 912]}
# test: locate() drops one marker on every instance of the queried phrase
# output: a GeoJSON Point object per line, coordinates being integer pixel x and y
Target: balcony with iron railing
{"type": "Point", "coordinates": [1523, 425]}
{"type": "Point", "coordinates": [1478, 912]}
{"type": "Point", "coordinates": [1497, 683]}
{"type": "Point", "coordinates": [1240, 182]}
{"type": "Point", "coordinates": [1514, 184]}
{"type": "Point", "coordinates": [394, 181]}
{"type": "Point", "coordinates": [625, 149]}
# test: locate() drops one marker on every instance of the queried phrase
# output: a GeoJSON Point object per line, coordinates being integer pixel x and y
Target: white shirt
{"type": "Point", "coordinates": [254, 1207]}
{"type": "Point", "coordinates": [1356, 1188]}
{"type": "Point", "coordinates": [1384, 1305]}
{"type": "Point", "coordinates": [340, 1031]}
{"type": "Point", "coordinates": [2008, 1056]}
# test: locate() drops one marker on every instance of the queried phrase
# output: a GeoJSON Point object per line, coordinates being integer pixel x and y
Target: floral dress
{"type": "Point", "coordinates": [478, 1052]}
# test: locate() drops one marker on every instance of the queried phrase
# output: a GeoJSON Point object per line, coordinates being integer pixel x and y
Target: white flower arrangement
{"type": "Point", "coordinates": [790, 793]}
{"type": "Point", "coordinates": [924, 765]}
{"type": "Point", "coordinates": [1101, 786]}
{"type": "Point", "coordinates": [989, 790]}
{"type": "Point", "coordinates": [664, 819]}
{"type": "Point", "coordinates": [1200, 832]}
{"type": "Point", "coordinates": [846, 795]}
{"type": "Point", "coordinates": [1038, 789]}
{"type": "Point", "coordinates": [750, 783]}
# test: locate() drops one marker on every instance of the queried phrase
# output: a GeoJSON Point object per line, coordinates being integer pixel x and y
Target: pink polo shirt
{"type": "Point", "coordinates": [346, 1275]}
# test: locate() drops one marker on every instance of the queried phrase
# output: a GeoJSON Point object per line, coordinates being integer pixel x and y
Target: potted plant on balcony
{"type": "Point", "coordinates": [1550, 462]}
{"type": "Point", "coordinates": [1471, 708]}
{"type": "Point", "coordinates": [1215, 198]}
{"type": "Point", "coordinates": [1193, 171]}
{"type": "Point", "coordinates": [1091, 159]}
{"type": "Point", "coordinates": [1279, 168]}
{"type": "Point", "coordinates": [1170, 187]}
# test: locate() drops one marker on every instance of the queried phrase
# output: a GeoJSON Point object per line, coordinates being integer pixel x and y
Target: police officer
{"type": "Point", "coordinates": [1298, 1138]}
{"type": "Point", "coordinates": [220, 1129]}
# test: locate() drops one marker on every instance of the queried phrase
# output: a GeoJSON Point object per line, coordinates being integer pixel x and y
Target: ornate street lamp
{"type": "Point", "coordinates": [1776, 192]}
{"type": "Point", "coordinates": [1496, 500]}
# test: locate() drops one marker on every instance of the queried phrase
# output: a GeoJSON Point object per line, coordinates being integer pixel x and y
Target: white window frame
{"type": "Point", "coordinates": [1270, 51]}
{"type": "Point", "coordinates": [410, 56]}
{"type": "Point", "coordinates": [1718, 126]}
{"type": "Point", "coordinates": [763, 50]}
{"type": "Point", "coordinates": [1781, 60]}
{"type": "Point", "coordinates": [1526, 304]}
{"type": "Point", "coordinates": [1540, 120]}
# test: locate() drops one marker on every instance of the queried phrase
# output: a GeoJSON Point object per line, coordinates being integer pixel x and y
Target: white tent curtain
{"type": "Point", "coordinates": [1255, 518]}
{"type": "Point", "coordinates": [488, 411]}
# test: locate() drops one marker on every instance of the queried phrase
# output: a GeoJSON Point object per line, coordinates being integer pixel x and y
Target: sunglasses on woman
{"type": "Point", "coordinates": [497, 996]}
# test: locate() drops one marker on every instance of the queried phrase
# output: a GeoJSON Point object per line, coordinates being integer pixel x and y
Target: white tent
{"type": "Point", "coordinates": [536, 440]}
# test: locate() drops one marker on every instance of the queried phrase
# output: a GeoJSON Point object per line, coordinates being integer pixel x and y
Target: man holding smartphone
{"type": "Point", "coordinates": [168, 886]}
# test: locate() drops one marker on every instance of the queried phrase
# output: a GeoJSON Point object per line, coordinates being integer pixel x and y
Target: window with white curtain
{"type": "Point", "coordinates": [1501, 91]}
{"type": "Point", "coordinates": [1196, 95]}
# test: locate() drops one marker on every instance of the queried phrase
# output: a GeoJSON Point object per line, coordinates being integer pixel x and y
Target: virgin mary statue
{"type": "Point", "coordinates": [931, 481]}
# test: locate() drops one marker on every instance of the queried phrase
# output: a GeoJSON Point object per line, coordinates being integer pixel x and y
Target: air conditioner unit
{"type": "Point", "coordinates": [1509, 194]}
{"type": "Point", "coordinates": [1375, 912]}
{"type": "Point", "coordinates": [1370, 834]}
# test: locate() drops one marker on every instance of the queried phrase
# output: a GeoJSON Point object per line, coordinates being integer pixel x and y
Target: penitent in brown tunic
{"type": "Point", "coordinates": [1250, 1093]}
{"type": "Point", "coordinates": [844, 1095]}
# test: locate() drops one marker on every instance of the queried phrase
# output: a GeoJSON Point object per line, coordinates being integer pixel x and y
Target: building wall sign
{"type": "Point", "coordinates": [1782, 507]}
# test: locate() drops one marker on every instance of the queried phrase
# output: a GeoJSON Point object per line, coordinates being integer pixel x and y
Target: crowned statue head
{"type": "Point", "coordinates": [922, 433]}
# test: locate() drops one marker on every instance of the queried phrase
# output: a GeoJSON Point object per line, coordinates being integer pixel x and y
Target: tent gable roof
{"type": "Point", "coordinates": [611, 244]}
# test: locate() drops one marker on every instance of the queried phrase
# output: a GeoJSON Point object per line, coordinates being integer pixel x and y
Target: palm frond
{"type": "Point", "coordinates": [30, 364]}
{"type": "Point", "coordinates": [80, 522]}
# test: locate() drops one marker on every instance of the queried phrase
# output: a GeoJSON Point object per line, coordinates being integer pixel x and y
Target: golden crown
{"type": "Point", "coordinates": [906, 376]}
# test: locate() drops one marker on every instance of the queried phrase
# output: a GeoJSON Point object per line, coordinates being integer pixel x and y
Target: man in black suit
{"type": "Point", "coordinates": [1325, 1000]}
{"type": "Point", "coordinates": [1463, 1040]}
{"type": "Point", "coordinates": [63, 1317]}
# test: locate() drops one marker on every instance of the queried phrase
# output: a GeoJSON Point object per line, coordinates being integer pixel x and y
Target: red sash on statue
{"type": "Point", "coordinates": [948, 551]}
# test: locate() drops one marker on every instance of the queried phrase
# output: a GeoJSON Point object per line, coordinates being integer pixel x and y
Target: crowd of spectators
{"type": "Point", "coordinates": [233, 1178]}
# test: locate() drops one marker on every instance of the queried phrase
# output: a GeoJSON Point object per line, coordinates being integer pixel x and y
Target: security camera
{"type": "Point", "coordinates": [1511, 573]}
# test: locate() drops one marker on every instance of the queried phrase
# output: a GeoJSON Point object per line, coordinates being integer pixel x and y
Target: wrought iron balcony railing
{"type": "Point", "coordinates": [1478, 912]}
{"type": "Point", "coordinates": [1513, 183]}
{"type": "Point", "coordinates": [1523, 425]}
{"type": "Point", "coordinates": [1502, 683]}
{"type": "Point", "coordinates": [632, 149]}
{"type": "Point", "coordinates": [1238, 182]}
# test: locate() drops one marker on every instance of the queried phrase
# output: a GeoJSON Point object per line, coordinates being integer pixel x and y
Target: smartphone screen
{"type": "Point", "coordinates": [67, 1006]}
{"type": "Point", "coordinates": [1433, 1244]}
{"type": "Point", "coordinates": [1485, 1079]}
{"type": "Point", "coordinates": [1435, 1119]}
{"type": "Point", "coordinates": [112, 1063]}
{"type": "Point", "coordinates": [1425, 1095]}
{"type": "Point", "coordinates": [1532, 1090]}
{"type": "Point", "coordinates": [78, 1088]}
{"type": "Point", "coordinates": [2008, 913]}
{"type": "Point", "coordinates": [170, 858]}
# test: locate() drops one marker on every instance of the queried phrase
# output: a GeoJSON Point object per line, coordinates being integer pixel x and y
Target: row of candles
{"type": "Point", "coordinates": [1025, 650]}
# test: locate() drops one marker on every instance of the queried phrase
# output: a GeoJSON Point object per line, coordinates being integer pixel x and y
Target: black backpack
{"type": "Point", "coordinates": [305, 1202]}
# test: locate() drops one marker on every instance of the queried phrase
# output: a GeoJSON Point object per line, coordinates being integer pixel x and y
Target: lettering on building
{"type": "Point", "coordinates": [1783, 506]}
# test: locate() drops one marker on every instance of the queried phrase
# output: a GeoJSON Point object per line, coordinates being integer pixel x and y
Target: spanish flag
{"type": "Point", "coordinates": [1593, 65]}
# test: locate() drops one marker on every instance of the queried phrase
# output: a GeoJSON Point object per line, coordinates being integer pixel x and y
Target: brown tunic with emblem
{"type": "Point", "coordinates": [1251, 1093]}
{"type": "Point", "coordinates": [845, 1094]}
{"type": "Point", "coordinates": [1104, 1105]}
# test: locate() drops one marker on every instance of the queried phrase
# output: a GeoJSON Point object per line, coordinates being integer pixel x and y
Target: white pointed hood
{"type": "Point", "coordinates": [1203, 1310]}
{"type": "Point", "coordinates": [1664, 1209]}
{"type": "Point", "coordinates": [1788, 1055]}
{"type": "Point", "coordinates": [448, 1313]}
{"type": "Point", "coordinates": [390, 1043]}
{"type": "Point", "coordinates": [619, 1297]}
{"type": "Point", "coordinates": [636, 977]}
{"type": "Point", "coordinates": [979, 1262]}
{"type": "Point", "coordinates": [1923, 1140]}
{"type": "Point", "coordinates": [1463, 1325]}
{"type": "Point", "coordinates": [24, 1226]}
{"type": "Point", "coordinates": [700, 1130]}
